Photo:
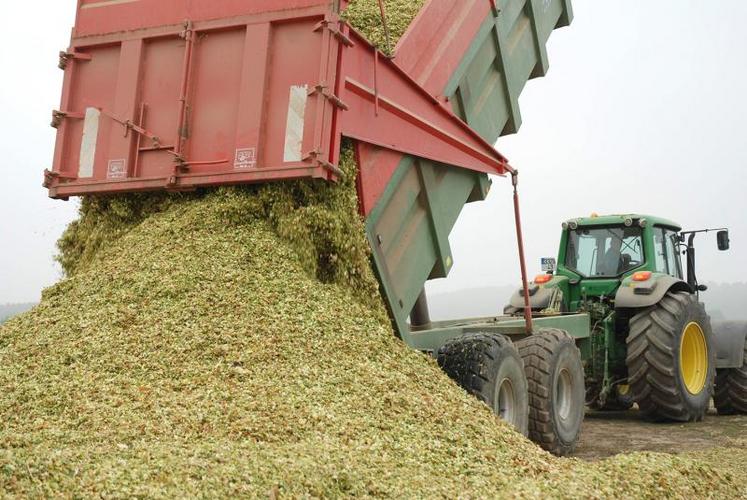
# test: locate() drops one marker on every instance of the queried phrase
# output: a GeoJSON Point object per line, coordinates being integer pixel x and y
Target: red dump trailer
{"type": "Point", "coordinates": [176, 95]}
{"type": "Point", "coordinates": [184, 94]}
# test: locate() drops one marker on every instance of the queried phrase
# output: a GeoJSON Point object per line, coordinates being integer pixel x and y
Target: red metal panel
{"type": "Point", "coordinates": [160, 87]}
{"type": "Point", "coordinates": [377, 165]}
{"type": "Point", "coordinates": [237, 92]}
{"type": "Point", "coordinates": [96, 17]}
{"type": "Point", "coordinates": [433, 47]}
{"type": "Point", "coordinates": [389, 109]}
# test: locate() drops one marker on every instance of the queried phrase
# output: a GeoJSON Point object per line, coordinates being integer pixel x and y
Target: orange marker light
{"type": "Point", "coordinates": [642, 276]}
{"type": "Point", "coordinates": [541, 279]}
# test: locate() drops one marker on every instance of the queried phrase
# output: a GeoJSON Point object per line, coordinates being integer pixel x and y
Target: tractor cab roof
{"type": "Point", "coordinates": [612, 220]}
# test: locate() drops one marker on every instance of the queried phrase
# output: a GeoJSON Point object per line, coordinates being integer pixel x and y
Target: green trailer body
{"type": "Point", "coordinates": [409, 227]}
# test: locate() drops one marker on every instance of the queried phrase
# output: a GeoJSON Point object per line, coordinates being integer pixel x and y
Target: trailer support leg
{"type": "Point", "coordinates": [420, 317]}
{"type": "Point", "coordinates": [522, 257]}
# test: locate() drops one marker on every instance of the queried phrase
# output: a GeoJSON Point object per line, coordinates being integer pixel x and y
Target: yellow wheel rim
{"type": "Point", "coordinates": [694, 358]}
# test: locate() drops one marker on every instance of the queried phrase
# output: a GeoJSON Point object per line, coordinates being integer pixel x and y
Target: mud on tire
{"type": "Point", "coordinates": [489, 367]}
{"type": "Point", "coordinates": [730, 396]}
{"type": "Point", "coordinates": [654, 362]}
{"type": "Point", "coordinates": [553, 366]}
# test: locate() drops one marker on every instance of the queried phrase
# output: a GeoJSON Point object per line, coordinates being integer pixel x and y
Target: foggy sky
{"type": "Point", "coordinates": [643, 110]}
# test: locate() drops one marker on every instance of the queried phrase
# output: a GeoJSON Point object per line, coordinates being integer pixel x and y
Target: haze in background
{"type": "Point", "coordinates": [643, 110]}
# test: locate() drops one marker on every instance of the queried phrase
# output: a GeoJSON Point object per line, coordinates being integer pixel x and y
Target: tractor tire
{"type": "Point", "coordinates": [556, 389]}
{"type": "Point", "coordinates": [489, 367]}
{"type": "Point", "coordinates": [730, 396]}
{"type": "Point", "coordinates": [671, 362]}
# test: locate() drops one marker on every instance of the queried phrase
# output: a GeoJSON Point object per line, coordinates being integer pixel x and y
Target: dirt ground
{"type": "Point", "coordinates": [608, 433]}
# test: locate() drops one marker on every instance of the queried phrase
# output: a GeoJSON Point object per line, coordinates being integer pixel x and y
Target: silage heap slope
{"type": "Point", "coordinates": [196, 354]}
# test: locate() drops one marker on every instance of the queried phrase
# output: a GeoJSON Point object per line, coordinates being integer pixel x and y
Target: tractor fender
{"type": "Point", "coordinates": [635, 295]}
{"type": "Point", "coordinates": [540, 296]}
{"type": "Point", "coordinates": [729, 338]}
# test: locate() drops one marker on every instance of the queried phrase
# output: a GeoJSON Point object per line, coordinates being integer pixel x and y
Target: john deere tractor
{"type": "Point", "coordinates": [651, 341]}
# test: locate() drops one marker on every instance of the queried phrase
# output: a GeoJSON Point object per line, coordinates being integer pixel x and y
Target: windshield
{"type": "Point", "coordinates": [604, 252]}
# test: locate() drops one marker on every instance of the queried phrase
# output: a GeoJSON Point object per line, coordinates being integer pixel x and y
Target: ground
{"type": "Point", "coordinates": [608, 433]}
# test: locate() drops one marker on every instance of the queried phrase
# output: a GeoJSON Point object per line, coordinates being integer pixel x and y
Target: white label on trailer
{"type": "Point", "coordinates": [245, 158]}
{"type": "Point", "coordinates": [299, 94]}
{"type": "Point", "coordinates": [117, 169]}
{"type": "Point", "coordinates": [88, 143]}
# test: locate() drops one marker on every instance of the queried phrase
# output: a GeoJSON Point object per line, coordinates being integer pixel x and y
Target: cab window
{"type": "Point", "coordinates": [666, 248]}
{"type": "Point", "coordinates": [604, 252]}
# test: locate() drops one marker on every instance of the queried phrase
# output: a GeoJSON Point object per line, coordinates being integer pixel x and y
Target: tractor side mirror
{"type": "Point", "coordinates": [723, 240]}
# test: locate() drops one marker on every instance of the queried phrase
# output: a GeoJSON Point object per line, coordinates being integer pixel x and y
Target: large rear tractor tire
{"type": "Point", "coordinates": [556, 389]}
{"type": "Point", "coordinates": [671, 362]}
{"type": "Point", "coordinates": [489, 367]}
{"type": "Point", "coordinates": [730, 396]}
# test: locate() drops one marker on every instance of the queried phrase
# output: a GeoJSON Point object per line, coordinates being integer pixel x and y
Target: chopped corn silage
{"type": "Point", "coordinates": [365, 16]}
{"type": "Point", "coordinates": [233, 342]}
{"type": "Point", "coordinates": [199, 347]}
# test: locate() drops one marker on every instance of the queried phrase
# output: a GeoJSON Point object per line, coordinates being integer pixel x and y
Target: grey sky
{"type": "Point", "coordinates": [643, 110]}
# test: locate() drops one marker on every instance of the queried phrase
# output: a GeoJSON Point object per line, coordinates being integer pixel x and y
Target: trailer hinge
{"type": "Point", "coordinates": [324, 91]}
{"type": "Point", "coordinates": [336, 32]}
{"type": "Point", "coordinates": [50, 177]}
{"type": "Point", "coordinates": [65, 57]}
{"type": "Point", "coordinates": [316, 157]}
{"type": "Point", "coordinates": [58, 116]}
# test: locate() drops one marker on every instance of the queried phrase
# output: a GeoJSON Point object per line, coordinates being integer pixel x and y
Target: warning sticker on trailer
{"type": "Point", "coordinates": [117, 170]}
{"type": "Point", "coordinates": [245, 158]}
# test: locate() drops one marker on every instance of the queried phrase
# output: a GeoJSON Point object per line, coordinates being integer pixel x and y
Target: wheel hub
{"type": "Point", "coordinates": [564, 395]}
{"type": "Point", "coordinates": [507, 401]}
{"type": "Point", "coordinates": [694, 358]}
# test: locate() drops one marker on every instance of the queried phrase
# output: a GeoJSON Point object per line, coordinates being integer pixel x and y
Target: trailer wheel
{"type": "Point", "coordinates": [730, 396]}
{"type": "Point", "coordinates": [556, 389]}
{"type": "Point", "coordinates": [489, 367]}
{"type": "Point", "coordinates": [671, 363]}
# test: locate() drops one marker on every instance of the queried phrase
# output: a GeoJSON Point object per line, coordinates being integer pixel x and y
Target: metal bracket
{"type": "Point", "coordinates": [342, 37]}
{"type": "Point", "coordinates": [66, 57]}
{"type": "Point", "coordinates": [50, 177]}
{"type": "Point", "coordinates": [316, 157]}
{"type": "Point", "coordinates": [58, 116]}
{"type": "Point", "coordinates": [325, 92]}
{"type": "Point", "coordinates": [128, 125]}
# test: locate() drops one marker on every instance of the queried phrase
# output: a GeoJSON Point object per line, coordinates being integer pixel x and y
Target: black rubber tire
{"type": "Point", "coordinates": [554, 419]}
{"type": "Point", "coordinates": [483, 364]}
{"type": "Point", "coordinates": [653, 360]}
{"type": "Point", "coordinates": [730, 396]}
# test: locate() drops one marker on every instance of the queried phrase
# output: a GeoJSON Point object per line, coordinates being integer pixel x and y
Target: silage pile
{"type": "Point", "coordinates": [201, 347]}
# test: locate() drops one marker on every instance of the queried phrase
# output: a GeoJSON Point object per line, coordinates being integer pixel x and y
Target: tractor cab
{"type": "Point", "coordinates": [598, 255]}
{"type": "Point", "coordinates": [623, 261]}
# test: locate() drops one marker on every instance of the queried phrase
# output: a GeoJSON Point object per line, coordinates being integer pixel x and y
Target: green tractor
{"type": "Point", "coordinates": [651, 341]}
